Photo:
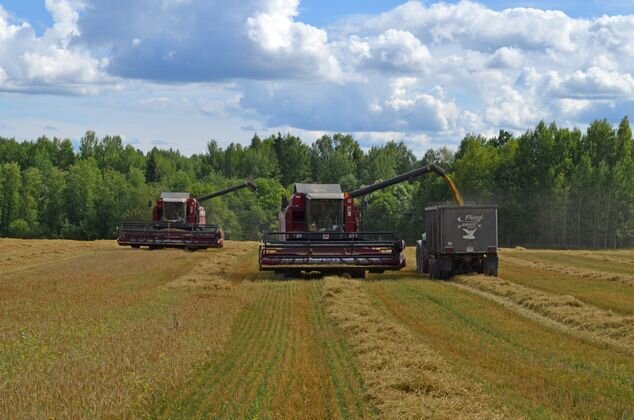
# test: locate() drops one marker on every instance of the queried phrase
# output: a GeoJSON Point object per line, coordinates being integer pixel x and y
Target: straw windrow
{"type": "Point", "coordinates": [404, 378]}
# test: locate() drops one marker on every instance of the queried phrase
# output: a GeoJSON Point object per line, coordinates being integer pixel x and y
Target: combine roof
{"type": "Point", "coordinates": [320, 191]}
{"type": "Point", "coordinates": [175, 196]}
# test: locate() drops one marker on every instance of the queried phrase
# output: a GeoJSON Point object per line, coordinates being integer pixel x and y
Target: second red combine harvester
{"type": "Point", "coordinates": [319, 231]}
{"type": "Point", "coordinates": [178, 221]}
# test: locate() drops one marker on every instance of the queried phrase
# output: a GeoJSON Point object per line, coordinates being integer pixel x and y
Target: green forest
{"type": "Point", "coordinates": [554, 187]}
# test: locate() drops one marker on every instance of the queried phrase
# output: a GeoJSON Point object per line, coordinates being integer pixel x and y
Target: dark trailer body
{"type": "Point", "coordinates": [458, 239]}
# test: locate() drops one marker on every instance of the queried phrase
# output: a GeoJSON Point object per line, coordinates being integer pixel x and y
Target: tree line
{"type": "Point", "coordinates": [554, 187]}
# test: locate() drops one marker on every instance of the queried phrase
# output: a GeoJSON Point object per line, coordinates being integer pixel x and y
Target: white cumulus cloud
{"type": "Point", "coordinates": [393, 51]}
{"type": "Point", "coordinates": [426, 70]}
{"type": "Point", "coordinates": [47, 63]}
{"type": "Point", "coordinates": [210, 40]}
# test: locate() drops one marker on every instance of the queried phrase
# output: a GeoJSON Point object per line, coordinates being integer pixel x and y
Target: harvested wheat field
{"type": "Point", "coordinates": [90, 329]}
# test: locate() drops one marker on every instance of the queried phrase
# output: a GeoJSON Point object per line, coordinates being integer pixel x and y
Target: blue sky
{"type": "Point", "coordinates": [32, 11]}
{"type": "Point", "coordinates": [177, 73]}
{"type": "Point", "coordinates": [324, 12]}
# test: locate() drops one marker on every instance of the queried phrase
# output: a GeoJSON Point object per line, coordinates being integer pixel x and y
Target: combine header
{"type": "Point", "coordinates": [178, 221]}
{"type": "Point", "coordinates": [319, 231]}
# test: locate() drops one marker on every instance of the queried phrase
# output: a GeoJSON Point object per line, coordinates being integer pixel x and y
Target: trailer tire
{"type": "Point", "coordinates": [418, 259]}
{"type": "Point", "coordinates": [490, 266]}
{"type": "Point", "coordinates": [434, 268]}
{"type": "Point", "coordinates": [422, 258]}
{"type": "Point", "coordinates": [360, 274]}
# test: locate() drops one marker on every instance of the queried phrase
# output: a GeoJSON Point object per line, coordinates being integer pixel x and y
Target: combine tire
{"type": "Point", "coordinates": [292, 274]}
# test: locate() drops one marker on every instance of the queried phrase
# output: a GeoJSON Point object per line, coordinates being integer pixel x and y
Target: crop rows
{"type": "Point", "coordinates": [93, 330]}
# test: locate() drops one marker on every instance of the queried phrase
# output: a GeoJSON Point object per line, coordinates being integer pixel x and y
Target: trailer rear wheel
{"type": "Point", "coordinates": [422, 258]}
{"type": "Point", "coordinates": [434, 268]}
{"type": "Point", "coordinates": [419, 267]}
{"type": "Point", "coordinates": [490, 266]}
{"type": "Point", "coordinates": [359, 274]}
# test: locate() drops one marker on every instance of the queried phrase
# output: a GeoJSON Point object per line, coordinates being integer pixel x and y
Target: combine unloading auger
{"type": "Point", "coordinates": [319, 231]}
{"type": "Point", "coordinates": [178, 221]}
{"type": "Point", "coordinates": [408, 176]}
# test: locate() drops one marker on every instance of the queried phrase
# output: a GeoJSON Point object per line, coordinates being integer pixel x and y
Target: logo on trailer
{"type": "Point", "coordinates": [470, 223]}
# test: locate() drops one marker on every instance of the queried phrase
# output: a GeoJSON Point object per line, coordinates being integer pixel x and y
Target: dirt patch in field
{"type": "Point", "coordinates": [404, 378]}
{"type": "Point", "coordinates": [572, 271]}
{"type": "Point", "coordinates": [600, 324]}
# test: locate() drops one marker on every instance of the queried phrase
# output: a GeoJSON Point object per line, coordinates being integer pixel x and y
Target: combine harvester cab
{"type": "Point", "coordinates": [319, 231]}
{"type": "Point", "coordinates": [458, 240]}
{"type": "Point", "coordinates": [178, 221]}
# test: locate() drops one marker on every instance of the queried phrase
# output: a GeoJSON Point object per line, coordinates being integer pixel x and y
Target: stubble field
{"type": "Point", "coordinates": [91, 329]}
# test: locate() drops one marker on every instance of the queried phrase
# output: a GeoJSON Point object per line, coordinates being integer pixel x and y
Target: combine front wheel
{"type": "Point", "coordinates": [293, 274]}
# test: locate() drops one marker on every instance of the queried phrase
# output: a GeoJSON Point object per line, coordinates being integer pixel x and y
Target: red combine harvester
{"type": "Point", "coordinates": [178, 221]}
{"type": "Point", "coordinates": [319, 231]}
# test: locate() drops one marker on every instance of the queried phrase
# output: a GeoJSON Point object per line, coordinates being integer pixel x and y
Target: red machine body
{"type": "Point", "coordinates": [178, 208]}
{"type": "Point", "coordinates": [319, 231]}
{"type": "Point", "coordinates": [296, 216]}
{"type": "Point", "coordinates": [178, 221]}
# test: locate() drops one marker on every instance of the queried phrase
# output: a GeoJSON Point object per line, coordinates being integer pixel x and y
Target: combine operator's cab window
{"type": "Point", "coordinates": [174, 212]}
{"type": "Point", "coordinates": [325, 215]}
